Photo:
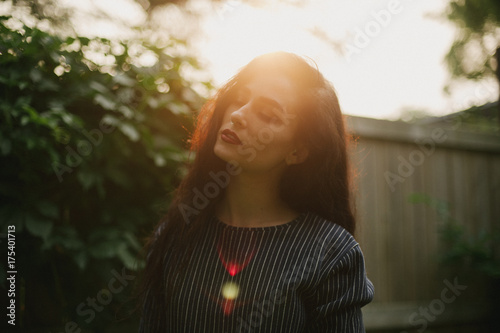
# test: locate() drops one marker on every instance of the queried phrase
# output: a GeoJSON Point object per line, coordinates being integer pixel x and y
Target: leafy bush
{"type": "Point", "coordinates": [92, 137]}
{"type": "Point", "coordinates": [462, 251]}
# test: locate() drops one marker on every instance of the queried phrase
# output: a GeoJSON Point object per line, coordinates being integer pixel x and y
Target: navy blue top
{"type": "Point", "coordinates": [307, 275]}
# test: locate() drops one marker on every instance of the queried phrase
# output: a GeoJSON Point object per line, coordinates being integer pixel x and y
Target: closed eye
{"type": "Point", "coordinates": [267, 109]}
{"type": "Point", "coordinates": [268, 113]}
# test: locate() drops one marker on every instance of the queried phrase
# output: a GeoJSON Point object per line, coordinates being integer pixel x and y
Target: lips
{"type": "Point", "coordinates": [230, 137]}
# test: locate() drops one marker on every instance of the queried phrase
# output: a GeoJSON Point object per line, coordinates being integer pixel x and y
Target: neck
{"type": "Point", "coordinates": [253, 200]}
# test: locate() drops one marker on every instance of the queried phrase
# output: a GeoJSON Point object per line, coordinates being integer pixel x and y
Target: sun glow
{"type": "Point", "coordinates": [382, 56]}
{"type": "Point", "coordinates": [397, 61]}
{"type": "Point", "coordinates": [242, 32]}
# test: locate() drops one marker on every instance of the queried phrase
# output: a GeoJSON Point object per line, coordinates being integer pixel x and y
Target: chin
{"type": "Point", "coordinates": [222, 152]}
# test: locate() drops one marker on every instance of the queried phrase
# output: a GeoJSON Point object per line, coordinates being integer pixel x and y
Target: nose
{"type": "Point", "coordinates": [238, 117]}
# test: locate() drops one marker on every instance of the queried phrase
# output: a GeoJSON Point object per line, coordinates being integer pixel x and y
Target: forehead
{"type": "Point", "coordinates": [274, 87]}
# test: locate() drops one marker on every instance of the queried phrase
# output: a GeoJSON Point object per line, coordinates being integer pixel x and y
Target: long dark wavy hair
{"type": "Point", "coordinates": [320, 185]}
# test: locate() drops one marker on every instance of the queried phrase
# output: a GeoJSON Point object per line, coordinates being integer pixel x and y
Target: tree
{"type": "Point", "coordinates": [472, 53]}
{"type": "Point", "coordinates": [475, 54]}
{"type": "Point", "coordinates": [92, 136]}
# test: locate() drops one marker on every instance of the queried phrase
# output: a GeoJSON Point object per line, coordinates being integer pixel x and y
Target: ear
{"type": "Point", "coordinates": [297, 155]}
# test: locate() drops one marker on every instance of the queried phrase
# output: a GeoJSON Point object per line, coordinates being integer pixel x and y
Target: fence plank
{"type": "Point", "coordinates": [400, 239]}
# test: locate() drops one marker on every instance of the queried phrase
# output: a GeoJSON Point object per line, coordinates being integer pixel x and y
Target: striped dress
{"type": "Point", "coordinates": [307, 275]}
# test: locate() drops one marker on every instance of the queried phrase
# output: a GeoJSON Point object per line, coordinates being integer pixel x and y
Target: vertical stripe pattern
{"type": "Point", "coordinates": [304, 276]}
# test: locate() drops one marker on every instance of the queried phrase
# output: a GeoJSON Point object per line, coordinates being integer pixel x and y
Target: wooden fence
{"type": "Point", "coordinates": [401, 239]}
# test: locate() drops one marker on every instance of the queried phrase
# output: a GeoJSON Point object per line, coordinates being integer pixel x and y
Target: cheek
{"type": "Point", "coordinates": [278, 135]}
{"type": "Point", "coordinates": [274, 140]}
{"type": "Point", "coordinates": [273, 143]}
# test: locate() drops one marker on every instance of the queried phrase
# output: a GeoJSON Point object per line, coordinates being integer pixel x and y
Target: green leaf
{"type": "Point", "coordinates": [36, 75]}
{"type": "Point", "coordinates": [119, 177]}
{"type": "Point", "coordinates": [66, 237]}
{"type": "Point", "coordinates": [132, 241]}
{"type": "Point", "coordinates": [87, 179]}
{"type": "Point", "coordinates": [128, 259]}
{"type": "Point", "coordinates": [104, 249]}
{"type": "Point", "coordinates": [39, 227]}
{"type": "Point", "coordinates": [129, 131]}
{"type": "Point", "coordinates": [105, 102]}
{"type": "Point", "coordinates": [179, 108]}
{"type": "Point", "coordinates": [48, 85]}
{"type": "Point", "coordinates": [98, 87]}
{"type": "Point", "coordinates": [124, 80]}
{"type": "Point", "coordinates": [48, 209]}
{"type": "Point", "coordinates": [81, 259]}
{"type": "Point", "coordinates": [419, 198]}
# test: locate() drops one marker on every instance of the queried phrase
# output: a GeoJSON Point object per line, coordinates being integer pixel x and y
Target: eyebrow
{"type": "Point", "coordinates": [267, 100]}
{"type": "Point", "coordinates": [272, 102]}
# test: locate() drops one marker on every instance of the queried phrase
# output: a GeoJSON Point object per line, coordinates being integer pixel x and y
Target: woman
{"type": "Point", "coordinates": [259, 235]}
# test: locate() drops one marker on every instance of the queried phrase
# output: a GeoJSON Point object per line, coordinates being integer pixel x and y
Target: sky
{"type": "Point", "coordinates": [390, 56]}
{"type": "Point", "coordinates": [382, 56]}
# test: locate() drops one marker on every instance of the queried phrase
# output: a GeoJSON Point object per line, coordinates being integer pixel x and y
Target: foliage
{"type": "Point", "coordinates": [471, 54]}
{"type": "Point", "coordinates": [92, 136]}
{"type": "Point", "coordinates": [43, 10]}
{"type": "Point", "coordinates": [463, 251]}
{"type": "Point", "coordinates": [412, 115]}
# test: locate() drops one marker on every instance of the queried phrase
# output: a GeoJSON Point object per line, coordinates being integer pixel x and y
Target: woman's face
{"type": "Point", "coordinates": [258, 128]}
